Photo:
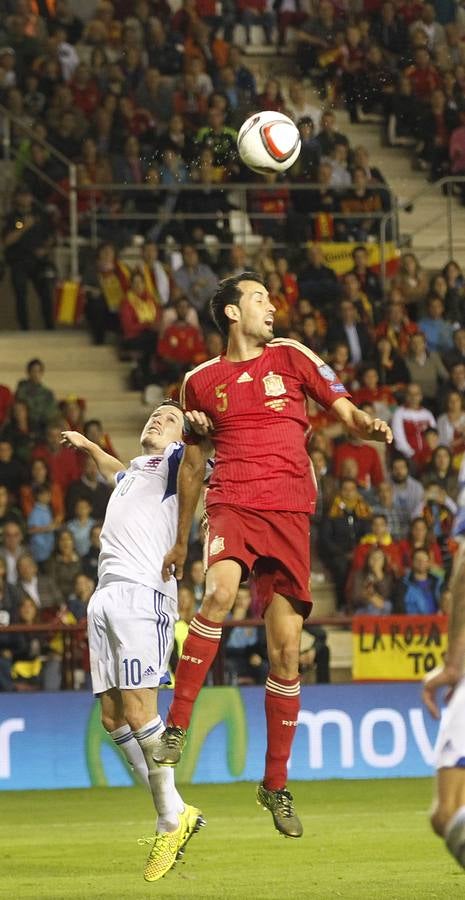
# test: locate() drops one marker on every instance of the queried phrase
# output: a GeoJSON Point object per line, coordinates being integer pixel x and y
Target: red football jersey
{"type": "Point", "coordinates": [258, 411]}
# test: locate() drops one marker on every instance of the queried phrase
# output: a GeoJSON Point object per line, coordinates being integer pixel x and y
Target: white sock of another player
{"type": "Point", "coordinates": [127, 743]}
{"type": "Point", "coordinates": [454, 836]}
{"type": "Point", "coordinates": [168, 803]}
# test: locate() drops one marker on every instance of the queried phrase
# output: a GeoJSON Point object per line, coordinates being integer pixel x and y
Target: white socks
{"type": "Point", "coordinates": [168, 803]}
{"type": "Point", "coordinates": [454, 836]}
{"type": "Point", "coordinates": [128, 745]}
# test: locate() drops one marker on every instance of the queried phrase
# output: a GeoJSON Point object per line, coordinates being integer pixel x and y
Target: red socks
{"type": "Point", "coordinates": [282, 704]}
{"type": "Point", "coordinates": [198, 653]}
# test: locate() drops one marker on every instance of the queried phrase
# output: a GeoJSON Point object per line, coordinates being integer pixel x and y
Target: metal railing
{"type": "Point", "coordinates": [10, 153]}
{"type": "Point", "coordinates": [72, 634]}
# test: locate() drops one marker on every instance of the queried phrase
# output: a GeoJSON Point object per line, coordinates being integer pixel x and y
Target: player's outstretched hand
{"type": "Point", "coordinates": [173, 563]}
{"type": "Point", "coordinates": [74, 439]}
{"type": "Point", "coordinates": [372, 429]}
{"type": "Point", "coordinates": [441, 677]}
{"type": "Point", "coordinates": [199, 422]}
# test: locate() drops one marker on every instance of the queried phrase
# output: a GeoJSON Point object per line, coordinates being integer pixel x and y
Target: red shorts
{"type": "Point", "coordinates": [274, 547]}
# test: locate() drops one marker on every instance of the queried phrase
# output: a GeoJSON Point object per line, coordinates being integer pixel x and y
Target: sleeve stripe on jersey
{"type": "Point", "coordinates": [182, 393]}
{"type": "Point", "coordinates": [288, 342]}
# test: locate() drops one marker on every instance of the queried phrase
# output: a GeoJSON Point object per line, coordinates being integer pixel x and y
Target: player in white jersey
{"type": "Point", "coordinates": [448, 812]}
{"type": "Point", "coordinates": [132, 613]}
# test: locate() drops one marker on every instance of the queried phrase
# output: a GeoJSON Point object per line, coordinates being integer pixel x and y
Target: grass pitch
{"type": "Point", "coordinates": [364, 839]}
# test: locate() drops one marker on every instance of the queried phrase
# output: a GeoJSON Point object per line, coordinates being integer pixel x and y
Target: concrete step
{"type": "Point", "coordinates": [324, 598]}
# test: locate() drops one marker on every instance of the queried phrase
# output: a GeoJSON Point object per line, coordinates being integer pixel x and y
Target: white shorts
{"type": "Point", "coordinates": [450, 744]}
{"type": "Point", "coordinates": [131, 634]}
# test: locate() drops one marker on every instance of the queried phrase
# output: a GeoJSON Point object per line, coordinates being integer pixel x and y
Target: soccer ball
{"type": "Point", "coordinates": [268, 142]}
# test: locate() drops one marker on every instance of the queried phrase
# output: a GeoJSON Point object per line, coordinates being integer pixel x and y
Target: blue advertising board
{"type": "Point", "coordinates": [371, 730]}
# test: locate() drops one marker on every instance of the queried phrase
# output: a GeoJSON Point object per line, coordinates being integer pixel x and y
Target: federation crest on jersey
{"type": "Point", "coordinates": [216, 545]}
{"type": "Point", "coordinates": [327, 373]}
{"type": "Point", "coordinates": [274, 385]}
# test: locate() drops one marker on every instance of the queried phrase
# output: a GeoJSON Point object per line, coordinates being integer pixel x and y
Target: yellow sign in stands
{"type": "Point", "coordinates": [397, 648]}
{"type": "Point", "coordinates": [339, 258]}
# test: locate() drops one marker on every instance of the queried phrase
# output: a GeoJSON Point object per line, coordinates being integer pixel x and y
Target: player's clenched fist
{"type": "Point", "coordinates": [173, 563]}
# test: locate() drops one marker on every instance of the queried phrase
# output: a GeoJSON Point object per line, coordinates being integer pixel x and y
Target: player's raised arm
{"type": "Point", "coordinates": [360, 423]}
{"type": "Point", "coordinates": [107, 465]}
{"type": "Point", "coordinates": [451, 672]}
{"type": "Point", "coordinates": [190, 480]}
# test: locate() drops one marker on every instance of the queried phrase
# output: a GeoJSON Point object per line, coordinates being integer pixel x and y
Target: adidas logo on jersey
{"type": "Point", "coordinates": [149, 671]}
{"type": "Point", "coordinates": [243, 378]}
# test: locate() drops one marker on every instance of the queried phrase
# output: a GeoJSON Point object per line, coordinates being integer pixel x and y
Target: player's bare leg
{"type": "Point", "coordinates": [198, 653]}
{"type": "Point", "coordinates": [448, 811]}
{"type": "Point", "coordinates": [283, 622]}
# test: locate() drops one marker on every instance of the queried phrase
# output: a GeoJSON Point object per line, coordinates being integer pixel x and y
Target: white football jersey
{"type": "Point", "coordinates": [141, 521]}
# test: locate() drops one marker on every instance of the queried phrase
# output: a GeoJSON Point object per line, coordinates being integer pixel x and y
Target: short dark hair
{"type": "Point", "coordinates": [228, 292]}
{"type": "Point", "coordinates": [34, 362]}
{"type": "Point", "coordinates": [169, 402]}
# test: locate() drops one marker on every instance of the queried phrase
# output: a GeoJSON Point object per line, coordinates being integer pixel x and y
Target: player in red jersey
{"type": "Point", "coordinates": [252, 403]}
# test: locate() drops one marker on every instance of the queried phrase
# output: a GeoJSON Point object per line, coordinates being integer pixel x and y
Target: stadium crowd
{"type": "Point", "coordinates": [143, 95]}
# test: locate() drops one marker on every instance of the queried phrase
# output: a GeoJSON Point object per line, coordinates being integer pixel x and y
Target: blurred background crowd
{"type": "Point", "coordinates": [146, 99]}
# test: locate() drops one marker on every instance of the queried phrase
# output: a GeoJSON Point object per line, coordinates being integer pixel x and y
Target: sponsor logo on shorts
{"type": "Point", "coordinates": [149, 671]}
{"type": "Point", "coordinates": [327, 373]}
{"type": "Point", "coordinates": [289, 722]}
{"type": "Point", "coordinates": [338, 388]}
{"type": "Point", "coordinates": [217, 545]}
{"type": "Point", "coordinates": [192, 659]}
{"type": "Point", "coordinates": [274, 385]}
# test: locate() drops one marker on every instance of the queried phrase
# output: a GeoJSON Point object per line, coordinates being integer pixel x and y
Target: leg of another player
{"type": "Point", "coordinates": [114, 722]}
{"type": "Point", "coordinates": [203, 639]}
{"type": "Point", "coordinates": [140, 711]}
{"type": "Point", "coordinates": [448, 812]}
{"type": "Point", "coordinates": [283, 622]}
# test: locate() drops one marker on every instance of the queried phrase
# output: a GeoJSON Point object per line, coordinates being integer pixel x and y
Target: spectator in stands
{"type": "Point", "coordinates": [89, 487]}
{"type": "Point", "coordinates": [180, 346]}
{"type": "Point", "coordinates": [409, 422]}
{"type": "Point", "coordinates": [370, 391]}
{"type": "Point", "coordinates": [451, 425]}
{"type": "Point", "coordinates": [62, 462]}
{"type": "Point", "coordinates": [457, 354]}
{"type": "Point", "coordinates": [105, 281]}
{"type": "Point", "coordinates": [423, 75]}
{"type": "Point", "coordinates": [299, 108]}
{"type": "Point", "coordinates": [339, 359]}
{"type": "Point", "coordinates": [90, 559]}
{"type": "Point", "coordinates": [39, 475]}
{"type": "Point", "coordinates": [384, 505]}
{"type": "Point", "coordinates": [40, 587]}
{"type": "Point", "coordinates": [352, 290]}
{"type": "Point", "coordinates": [420, 536]}
{"type": "Point", "coordinates": [441, 472]}
{"type": "Point", "coordinates": [316, 38]}
{"type": "Point", "coordinates": [419, 592]}
{"type": "Point", "coordinates": [93, 430]}
{"type": "Point", "coordinates": [40, 400]}
{"type": "Point", "coordinates": [407, 493]}
{"type": "Point", "coordinates": [78, 600]}
{"type": "Point", "coordinates": [9, 598]}
{"type": "Point", "coordinates": [12, 471]}
{"type": "Point", "coordinates": [64, 563]}
{"type": "Point", "coordinates": [41, 525]}
{"type": "Point", "coordinates": [369, 281]}
{"type": "Point", "coordinates": [426, 368]}
{"type": "Point", "coordinates": [256, 12]}
{"type": "Point", "coordinates": [11, 549]}
{"type": "Point", "coordinates": [17, 431]}
{"type": "Point", "coordinates": [437, 330]}
{"type": "Point", "coordinates": [390, 365]}
{"type": "Point", "coordinates": [361, 199]}
{"type": "Point", "coordinates": [457, 378]}
{"type": "Point", "coordinates": [412, 282]}
{"type": "Point", "coordinates": [381, 538]}
{"type": "Point", "coordinates": [195, 279]}
{"type": "Point", "coordinates": [220, 137]}
{"type": "Point", "coordinates": [6, 402]}
{"type": "Point", "coordinates": [328, 136]}
{"type": "Point", "coordinates": [348, 329]}
{"type": "Point", "coordinates": [154, 273]}
{"type": "Point", "coordinates": [317, 280]}
{"type": "Point", "coordinates": [27, 234]}
{"type": "Point", "coordinates": [327, 487]}
{"type": "Point", "coordinates": [245, 660]}
{"type": "Point", "coordinates": [370, 591]}
{"type": "Point", "coordinates": [370, 469]}
{"type": "Point", "coordinates": [139, 318]}
{"type": "Point", "coordinates": [347, 520]}
{"type": "Point", "coordinates": [81, 525]}
{"type": "Point", "coordinates": [9, 512]}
